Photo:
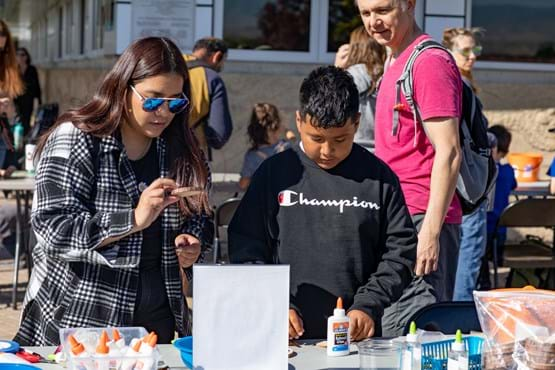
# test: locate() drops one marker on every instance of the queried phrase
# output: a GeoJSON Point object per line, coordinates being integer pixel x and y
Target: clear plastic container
{"type": "Point", "coordinates": [89, 337]}
{"type": "Point", "coordinates": [380, 354]}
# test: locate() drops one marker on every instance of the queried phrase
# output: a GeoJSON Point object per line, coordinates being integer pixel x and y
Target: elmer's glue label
{"type": "Point", "coordinates": [338, 331]}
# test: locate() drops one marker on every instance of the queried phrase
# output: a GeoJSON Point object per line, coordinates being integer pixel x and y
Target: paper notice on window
{"type": "Point", "coordinates": [174, 19]}
{"type": "Point", "coordinates": [240, 317]}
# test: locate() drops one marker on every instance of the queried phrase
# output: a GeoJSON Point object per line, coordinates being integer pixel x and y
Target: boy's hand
{"type": "Point", "coordinates": [296, 328]}
{"type": "Point", "coordinates": [361, 325]}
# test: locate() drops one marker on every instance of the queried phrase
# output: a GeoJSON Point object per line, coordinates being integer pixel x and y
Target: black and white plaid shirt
{"type": "Point", "coordinates": [79, 202]}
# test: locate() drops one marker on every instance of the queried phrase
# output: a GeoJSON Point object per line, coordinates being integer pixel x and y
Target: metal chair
{"type": "Point", "coordinates": [446, 317]}
{"type": "Point", "coordinates": [531, 212]}
{"type": "Point", "coordinates": [222, 217]}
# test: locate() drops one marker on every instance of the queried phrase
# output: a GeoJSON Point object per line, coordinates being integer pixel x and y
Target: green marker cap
{"type": "Point", "coordinates": [412, 328]}
{"type": "Point", "coordinates": [458, 336]}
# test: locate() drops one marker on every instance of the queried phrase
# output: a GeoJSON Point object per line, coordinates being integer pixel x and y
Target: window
{"type": "Point", "coordinates": [52, 34]}
{"type": "Point", "coordinates": [529, 24]}
{"type": "Point", "coordinates": [35, 40]}
{"type": "Point", "coordinates": [82, 25]}
{"type": "Point", "coordinates": [69, 28]}
{"type": "Point", "coordinates": [43, 39]}
{"type": "Point", "coordinates": [98, 22]}
{"type": "Point", "coordinates": [269, 30]}
{"type": "Point", "coordinates": [282, 25]}
{"type": "Point", "coordinates": [298, 31]}
{"type": "Point", "coordinates": [60, 30]}
{"type": "Point", "coordinates": [343, 17]}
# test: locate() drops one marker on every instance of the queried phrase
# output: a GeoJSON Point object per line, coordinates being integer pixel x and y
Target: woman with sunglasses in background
{"type": "Point", "coordinates": [463, 44]}
{"type": "Point", "coordinates": [116, 239]}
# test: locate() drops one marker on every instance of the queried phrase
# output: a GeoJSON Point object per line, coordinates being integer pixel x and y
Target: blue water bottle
{"type": "Point", "coordinates": [18, 136]}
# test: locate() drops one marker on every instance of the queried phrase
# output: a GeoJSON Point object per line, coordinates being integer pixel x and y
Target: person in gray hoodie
{"type": "Point", "coordinates": [364, 59]}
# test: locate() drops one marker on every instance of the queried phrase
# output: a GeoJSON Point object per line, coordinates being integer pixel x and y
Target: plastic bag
{"type": "Point", "coordinates": [520, 328]}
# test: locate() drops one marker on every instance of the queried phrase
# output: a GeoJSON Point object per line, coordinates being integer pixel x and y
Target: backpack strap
{"type": "Point", "coordinates": [405, 85]}
{"type": "Point", "coordinates": [261, 154]}
{"type": "Point", "coordinates": [196, 63]}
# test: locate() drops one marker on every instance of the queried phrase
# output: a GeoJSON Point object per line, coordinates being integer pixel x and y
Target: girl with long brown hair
{"type": "Point", "coordinates": [120, 209]}
{"type": "Point", "coordinates": [267, 136]}
{"type": "Point", "coordinates": [11, 85]}
{"type": "Point", "coordinates": [364, 59]}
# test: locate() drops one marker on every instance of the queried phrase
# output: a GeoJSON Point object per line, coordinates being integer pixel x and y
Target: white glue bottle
{"type": "Point", "coordinates": [412, 356]}
{"type": "Point", "coordinates": [338, 331]}
{"type": "Point", "coordinates": [458, 356]}
{"type": "Point", "coordinates": [147, 350]}
{"type": "Point", "coordinates": [80, 357]}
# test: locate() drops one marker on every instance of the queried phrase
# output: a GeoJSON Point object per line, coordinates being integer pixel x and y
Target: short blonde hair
{"type": "Point", "coordinates": [450, 34]}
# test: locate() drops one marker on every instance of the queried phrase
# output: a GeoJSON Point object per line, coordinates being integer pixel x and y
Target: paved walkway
{"type": "Point", "coordinates": [9, 318]}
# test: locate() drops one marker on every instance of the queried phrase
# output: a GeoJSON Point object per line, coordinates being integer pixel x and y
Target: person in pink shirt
{"type": "Point", "coordinates": [425, 154]}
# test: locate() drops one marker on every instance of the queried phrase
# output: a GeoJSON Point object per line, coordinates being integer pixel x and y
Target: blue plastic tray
{"type": "Point", "coordinates": [434, 354]}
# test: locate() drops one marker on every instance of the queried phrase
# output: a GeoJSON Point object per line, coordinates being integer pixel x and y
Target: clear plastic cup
{"type": "Point", "coordinates": [380, 354]}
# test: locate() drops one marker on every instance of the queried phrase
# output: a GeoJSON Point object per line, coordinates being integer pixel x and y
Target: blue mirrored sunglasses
{"type": "Point", "coordinates": [175, 105]}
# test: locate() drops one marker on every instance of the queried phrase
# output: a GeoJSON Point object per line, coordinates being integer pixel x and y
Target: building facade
{"type": "Point", "coordinates": [275, 43]}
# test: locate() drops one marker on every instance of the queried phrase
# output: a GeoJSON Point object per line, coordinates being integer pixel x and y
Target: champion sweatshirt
{"type": "Point", "coordinates": [344, 232]}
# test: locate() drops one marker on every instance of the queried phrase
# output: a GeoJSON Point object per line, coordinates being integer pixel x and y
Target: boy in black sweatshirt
{"type": "Point", "coordinates": [332, 211]}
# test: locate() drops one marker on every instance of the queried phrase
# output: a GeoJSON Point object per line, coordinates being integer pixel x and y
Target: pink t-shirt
{"type": "Point", "coordinates": [437, 92]}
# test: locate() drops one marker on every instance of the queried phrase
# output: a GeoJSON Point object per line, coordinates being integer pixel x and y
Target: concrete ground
{"type": "Point", "coordinates": [9, 318]}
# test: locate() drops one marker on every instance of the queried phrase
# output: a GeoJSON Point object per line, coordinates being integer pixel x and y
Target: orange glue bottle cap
{"type": "Point", "coordinates": [102, 347]}
{"type": "Point", "coordinates": [137, 346]}
{"type": "Point", "coordinates": [152, 340]}
{"type": "Point", "coordinates": [116, 335]}
{"type": "Point", "coordinates": [339, 310]}
{"type": "Point", "coordinates": [146, 338]}
{"type": "Point", "coordinates": [76, 347]}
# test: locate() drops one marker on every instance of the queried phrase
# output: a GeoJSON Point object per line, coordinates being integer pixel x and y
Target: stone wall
{"type": "Point", "coordinates": [526, 106]}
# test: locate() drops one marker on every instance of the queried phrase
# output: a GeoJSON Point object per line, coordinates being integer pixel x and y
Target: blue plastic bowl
{"type": "Point", "coordinates": [185, 347]}
{"type": "Point", "coordinates": [18, 367]}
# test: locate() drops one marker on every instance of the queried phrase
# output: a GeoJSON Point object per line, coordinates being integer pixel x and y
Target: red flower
{"type": "Point", "coordinates": [399, 107]}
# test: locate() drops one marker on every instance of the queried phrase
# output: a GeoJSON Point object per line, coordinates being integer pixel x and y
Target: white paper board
{"type": "Point", "coordinates": [240, 317]}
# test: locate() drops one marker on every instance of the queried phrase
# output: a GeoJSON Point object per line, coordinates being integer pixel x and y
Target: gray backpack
{"type": "Point", "coordinates": [478, 170]}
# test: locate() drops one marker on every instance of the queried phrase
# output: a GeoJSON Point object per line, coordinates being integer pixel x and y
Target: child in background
{"type": "Point", "coordinates": [551, 171]}
{"type": "Point", "coordinates": [504, 184]}
{"type": "Point", "coordinates": [265, 133]}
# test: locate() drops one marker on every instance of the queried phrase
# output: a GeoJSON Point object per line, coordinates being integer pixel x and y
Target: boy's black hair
{"type": "Point", "coordinates": [211, 44]}
{"type": "Point", "coordinates": [329, 96]}
{"type": "Point", "coordinates": [503, 136]}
